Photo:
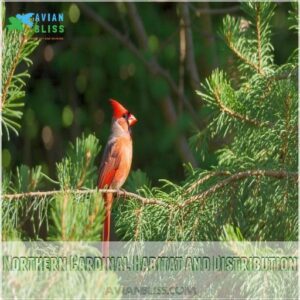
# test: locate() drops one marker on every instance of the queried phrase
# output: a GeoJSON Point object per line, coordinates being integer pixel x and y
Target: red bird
{"type": "Point", "coordinates": [116, 161]}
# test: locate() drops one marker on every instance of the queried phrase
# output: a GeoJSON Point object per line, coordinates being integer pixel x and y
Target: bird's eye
{"type": "Point", "coordinates": [125, 116]}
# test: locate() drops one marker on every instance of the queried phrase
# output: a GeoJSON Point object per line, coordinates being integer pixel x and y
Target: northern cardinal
{"type": "Point", "coordinates": [116, 162]}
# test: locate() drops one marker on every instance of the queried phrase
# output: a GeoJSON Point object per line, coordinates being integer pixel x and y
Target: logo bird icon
{"type": "Point", "coordinates": [25, 18]}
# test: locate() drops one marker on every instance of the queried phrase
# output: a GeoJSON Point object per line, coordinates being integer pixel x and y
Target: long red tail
{"type": "Point", "coordinates": [108, 199]}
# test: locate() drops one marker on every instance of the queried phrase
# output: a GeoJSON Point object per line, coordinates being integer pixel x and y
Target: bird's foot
{"type": "Point", "coordinates": [121, 192]}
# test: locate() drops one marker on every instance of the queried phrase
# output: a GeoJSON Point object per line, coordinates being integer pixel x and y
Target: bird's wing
{"type": "Point", "coordinates": [109, 164]}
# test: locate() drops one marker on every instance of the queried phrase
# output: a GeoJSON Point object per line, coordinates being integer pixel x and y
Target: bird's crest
{"type": "Point", "coordinates": [119, 109]}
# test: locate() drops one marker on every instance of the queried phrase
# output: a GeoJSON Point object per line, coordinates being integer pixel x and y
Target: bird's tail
{"type": "Point", "coordinates": [108, 198]}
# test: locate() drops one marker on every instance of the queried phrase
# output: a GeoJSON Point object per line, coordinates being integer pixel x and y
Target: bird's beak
{"type": "Point", "coordinates": [132, 120]}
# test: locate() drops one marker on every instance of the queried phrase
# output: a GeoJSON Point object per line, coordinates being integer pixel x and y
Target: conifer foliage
{"type": "Point", "coordinates": [253, 188]}
{"type": "Point", "coordinates": [251, 193]}
{"type": "Point", "coordinates": [17, 47]}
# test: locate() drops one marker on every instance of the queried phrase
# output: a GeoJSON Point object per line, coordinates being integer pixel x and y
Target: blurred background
{"type": "Point", "coordinates": [72, 80]}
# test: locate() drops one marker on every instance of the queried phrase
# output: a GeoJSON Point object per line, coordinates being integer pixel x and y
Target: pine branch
{"type": "Point", "coordinates": [125, 194]}
{"type": "Point", "coordinates": [12, 71]}
{"type": "Point", "coordinates": [239, 176]}
{"type": "Point", "coordinates": [85, 168]}
{"type": "Point", "coordinates": [285, 75]}
{"type": "Point", "coordinates": [206, 178]}
{"type": "Point", "coordinates": [240, 55]}
{"type": "Point", "coordinates": [258, 31]}
{"type": "Point", "coordinates": [16, 49]}
{"type": "Point", "coordinates": [286, 132]}
{"type": "Point", "coordinates": [233, 113]}
{"type": "Point", "coordinates": [152, 201]}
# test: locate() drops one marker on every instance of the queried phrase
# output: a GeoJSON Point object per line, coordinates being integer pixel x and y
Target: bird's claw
{"type": "Point", "coordinates": [120, 192]}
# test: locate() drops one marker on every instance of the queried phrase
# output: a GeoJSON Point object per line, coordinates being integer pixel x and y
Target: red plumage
{"type": "Point", "coordinates": [116, 162]}
{"type": "Point", "coordinates": [118, 109]}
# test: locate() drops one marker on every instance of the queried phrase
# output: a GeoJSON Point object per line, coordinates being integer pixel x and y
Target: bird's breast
{"type": "Point", "coordinates": [125, 148]}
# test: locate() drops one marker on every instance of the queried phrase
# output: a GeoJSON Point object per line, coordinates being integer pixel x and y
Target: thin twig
{"type": "Point", "coordinates": [190, 56]}
{"type": "Point", "coordinates": [239, 176]}
{"type": "Point", "coordinates": [285, 75]}
{"type": "Point", "coordinates": [234, 113]}
{"type": "Point", "coordinates": [205, 178]}
{"type": "Point", "coordinates": [240, 55]}
{"type": "Point", "coordinates": [182, 57]}
{"type": "Point", "coordinates": [137, 25]}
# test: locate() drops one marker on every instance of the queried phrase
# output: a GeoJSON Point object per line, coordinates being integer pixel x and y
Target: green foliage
{"type": "Point", "coordinates": [77, 169]}
{"type": "Point", "coordinates": [81, 72]}
{"type": "Point", "coordinates": [294, 17]}
{"type": "Point", "coordinates": [250, 193]}
{"type": "Point", "coordinates": [136, 180]}
{"type": "Point", "coordinates": [231, 234]}
{"type": "Point", "coordinates": [65, 215]}
{"type": "Point", "coordinates": [76, 217]}
{"type": "Point", "coordinates": [250, 40]}
{"type": "Point", "coordinates": [252, 187]}
{"type": "Point", "coordinates": [258, 117]}
{"type": "Point", "coordinates": [69, 215]}
{"type": "Point", "coordinates": [17, 46]}
{"type": "Point", "coordinates": [14, 212]}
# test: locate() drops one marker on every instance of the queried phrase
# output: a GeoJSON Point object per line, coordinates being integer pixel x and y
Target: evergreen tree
{"type": "Point", "coordinates": [251, 194]}
{"type": "Point", "coordinates": [64, 215]}
{"type": "Point", "coordinates": [252, 189]}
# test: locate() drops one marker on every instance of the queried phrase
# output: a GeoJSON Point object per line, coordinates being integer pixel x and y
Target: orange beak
{"type": "Point", "coordinates": [132, 120]}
